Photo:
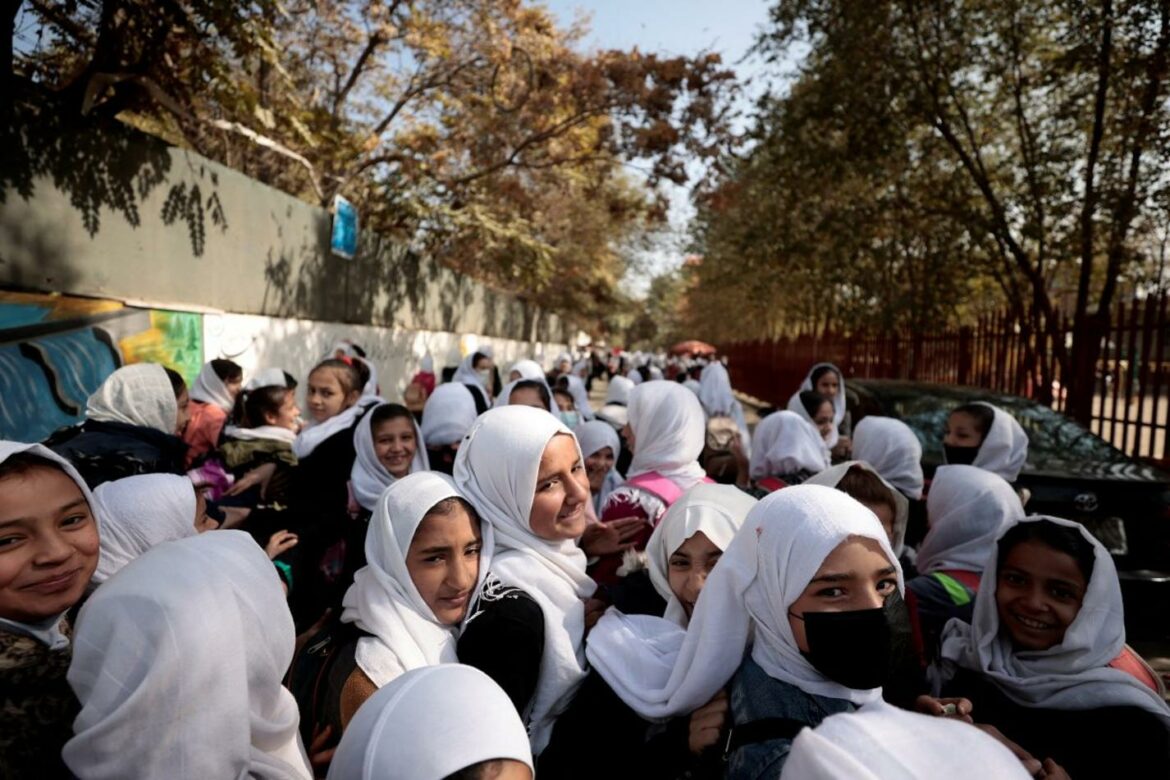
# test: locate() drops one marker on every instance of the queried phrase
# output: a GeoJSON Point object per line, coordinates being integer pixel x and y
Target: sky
{"type": "Point", "coordinates": [675, 27]}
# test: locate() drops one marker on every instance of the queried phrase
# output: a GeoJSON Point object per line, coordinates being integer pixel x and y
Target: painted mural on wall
{"type": "Point", "coordinates": [56, 350]}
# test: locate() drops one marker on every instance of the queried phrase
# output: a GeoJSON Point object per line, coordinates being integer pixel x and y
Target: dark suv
{"type": "Point", "coordinates": [1070, 473]}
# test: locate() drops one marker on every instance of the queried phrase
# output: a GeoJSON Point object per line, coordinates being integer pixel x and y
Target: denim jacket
{"type": "Point", "coordinates": [754, 695]}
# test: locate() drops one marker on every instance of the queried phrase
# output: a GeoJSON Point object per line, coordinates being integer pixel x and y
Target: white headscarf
{"type": "Point", "coordinates": [839, 404]}
{"type": "Point", "coordinates": [505, 396]}
{"type": "Point", "coordinates": [884, 742]}
{"type": "Point", "coordinates": [717, 511]}
{"type": "Point", "coordinates": [618, 391]}
{"type": "Point", "coordinates": [966, 507]}
{"type": "Point", "coordinates": [178, 662]}
{"type": "Point", "coordinates": [717, 398]}
{"type": "Point", "coordinates": [428, 724]}
{"type": "Point", "coordinates": [528, 369]}
{"type": "Point", "coordinates": [261, 432]}
{"type": "Point", "coordinates": [369, 477]}
{"type": "Point", "coordinates": [1073, 675]}
{"type": "Point", "coordinates": [49, 632]}
{"type": "Point", "coordinates": [669, 432]}
{"type": "Point", "coordinates": [137, 513]}
{"type": "Point", "coordinates": [593, 436]}
{"type": "Point", "coordinates": [448, 414]}
{"type": "Point", "coordinates": [786, 443]}
{"type": "Point", "coordinates": [1004, 450]}
{"type": "Point", "coordinates": [893, 449]}
{"type": "Point", "coordinates": [268, 377]}
{"type": "Point", "coordinates": [831, 477]}
{"type": "Point", "coordinates": [580, 396]}
{"type": "Point", "coordinates": [427, 364]}
{"type": "Point", "coordinates": [660, 670]}
{"type": "Point", "coordinates": [635, 376]}
{"type": "Point", "coordinates": [383, 599]}
{"type": "Point", "coordinates": [138, 394]}
{"type": "Point", "coordinates": [467, 375]}
{"type": "Point", "coordinates": [496, 469]}
{"type": "Point", "coordinates": [313, 436]}
{"type": "Point", "coordinates": [210, 389]}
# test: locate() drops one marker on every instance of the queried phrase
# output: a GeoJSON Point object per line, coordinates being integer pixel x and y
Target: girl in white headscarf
{"type": "Point", "coordinates": [137, 513]}
{"type": "Point", "coordinates": [50, 524]}
{"type": "Point", "coordinates": [427, 556]}
{"type": "Point", "coordinates": [212, 398]}
{"type": "Point", "coordinates": [786, 450]}
{"type": "Point", "coordinates": [1037, 660]}
{"type": "Point", "coordinates": [601, 445]}
{"type": "Point", "coordinates": [809, 585]}
{"type": "Point", "coordinates": [966, 508]}
{"type": "Point", "coordinates": [617, 399]}
{"type": "Point", "coordinates": [389, 445]}
{"type": "Point", "coordinates": [719, 401]}
{"type": "Point", "coordinates": [862, 481]}
{"type": "Point", "coordinates": [526, 369]}
{"type": "Point", "coordinates": [530, 392]}
{"type": "Point", "coordinates": [178, 663]}
{"type": "Point", "coordinates": [433, 723]}
{"type": "Point", "coordinates": [826, 379]}
{"type": "Point", "coordinates": [523, 472]}
{"type": "Point", "coordinates": [987, 437]}
{"type": "Point", "coordinates": [475, 371]}
{"type": "Point", "coordinates": [576, 388]}
{"type": "Point", "coordinates": [894, 451]}
{"type": "Point", "coordinates": [666, 431]}
{"type": "Point", "coordinates": [447, 417]}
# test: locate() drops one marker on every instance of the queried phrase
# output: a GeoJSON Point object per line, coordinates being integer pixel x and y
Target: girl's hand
{"type": "Point", "coordinates": [594, 609]}
{"type": "Point", "coordinates": [1032, 765]}
{"type": "Point", "coordinates": [260, 475]}
{"type": "Point", "coordinates": [1052, 771]}
{"type": "Point", "coordinates": [960, 709]}
{"type": "Point", "coordinates": [279, 542]}
{"type": "Point", "coordinates": [320, 754]}
{"type": "Point", "coordinates": [707, 724]}
{"type": "Point", "coordinates": [611, 536]}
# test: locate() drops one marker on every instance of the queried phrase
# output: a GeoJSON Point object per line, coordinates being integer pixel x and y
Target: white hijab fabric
{"type": "Point", "coordinates": [49, 632]}
{"type": "Point", "coordinates": [448, 414]}
{"type": "Point", "coordinates": [717, 398]}
{"type": "Point", "coordinates": [178, 662]}
{"type": "Point", "coordinates": [428, 724]}
{"type": "Point", "coordinates": [966, 508]}
{"type": "Point", "coordinates": [662, 671]}
{"type": "Point", "coordinates": [496, 469]}
{"type": "Point", "coordinates": [593, 436]}
{"type": "Point", "coordinates": [618, 391]}
{"type": "Point", "coordinates": [785, 443]}
{"type": "Point", "coordinates": [314, 435]}
{"type": "Point", "coordinates": [717, 511]}
{"type": "Point", "coordinates": [894, 451]}
{"type": "Point", "coordinates": [838, 400]}
{"type": "Point", "coordinates": [261, 433]}
{"type": "Point", "coordinates": [580, 396]}
{"type": "Point", "coordinates": [269, 377]}
{"type": "Point", "coordinates": [528, 369]}
{"type": "Point", "coordinates": [369, 477]}
{"type": "Point", "coordinates": [831, 477]}
{"type": "Point", "coordinates": [504, 398]}
{"type": "Point", "coordinates": [138, 394]}
{"type": "Point", "coordinates": [1073, 675]}
{"type": "Point", "coordinates": [467, 375]}
{"type": "Point", "coordinates": [210, 389]}
{"type": "Point", "coordinates": [884, 742]}
{"type": "Point", "coordinates": [383, 599]}
{"type": "Point", "coordinates": [138, 513]}
{"type": "Point", "coordinates": [1004, 450]}
{"type": "Point", "coordinates": [670, 430]}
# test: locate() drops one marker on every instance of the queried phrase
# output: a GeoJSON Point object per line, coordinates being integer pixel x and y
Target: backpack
{"type": "Point", "coordinates": [318, 672]}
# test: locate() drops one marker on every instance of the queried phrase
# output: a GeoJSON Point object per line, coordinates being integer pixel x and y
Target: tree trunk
{"type": "Point", "coordinates": [1088, 332]}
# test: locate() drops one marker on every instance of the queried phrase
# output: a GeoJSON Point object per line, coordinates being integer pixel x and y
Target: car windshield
{"type": "Point", "coordinates": [1053, 439]}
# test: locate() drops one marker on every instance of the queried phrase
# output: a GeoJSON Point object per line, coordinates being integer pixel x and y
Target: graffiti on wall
{"type": "Point", "coordinates": [56, 350]}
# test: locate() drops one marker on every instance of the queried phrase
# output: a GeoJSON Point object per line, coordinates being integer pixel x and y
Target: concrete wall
{"type": "Point", "coordinates": [105, 211]}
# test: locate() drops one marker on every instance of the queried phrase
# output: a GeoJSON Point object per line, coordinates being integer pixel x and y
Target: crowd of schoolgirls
{"type": "Point", "coordinates": [259, 576]}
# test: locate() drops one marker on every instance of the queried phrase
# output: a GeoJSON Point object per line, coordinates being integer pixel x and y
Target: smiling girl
{"type": "Point", "coordinates": [48, 552]}
{"type": "Point", "coordinates": [985, 436]}
{"type": "Point", "coordinates": [388, 446]}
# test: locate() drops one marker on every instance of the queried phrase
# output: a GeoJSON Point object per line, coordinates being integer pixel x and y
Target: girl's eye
{"type": "Point", "coordinates": [679, 563]}
{"type": "Point", "coordinates": [1012, 578]}
{"type": "Point", "coordinates": [74, 520]}
{"type": "Point", "coordinates": [8, 541]}
{"type": "Point", "coordinates": [830, 592]}
{"type": "Point", "coordinates": [885, 586]}
{"type": "Point", "coordinates": [434, 559]}
{"type": "Point", "coordinates": [547, 485]}
{"type": "Point", "coordinates": [1063, 593]}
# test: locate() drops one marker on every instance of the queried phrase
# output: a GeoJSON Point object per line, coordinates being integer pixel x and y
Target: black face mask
{"type": "Point", "coordinates": [857, 648]}
{"type": "Point", "coordinates": [960, 456]}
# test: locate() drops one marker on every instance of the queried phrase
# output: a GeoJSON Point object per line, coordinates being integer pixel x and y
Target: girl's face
{"type": "Point", "coordinates": [564, 402]}
{"type": "Point", "coordinates": [885, 516]}
{"type": "Point", "coordinates": [962, 431]}
{"type": "Point", "coordinates": [527, 396]}
{"type": "Point", "coordinates": [558, 506]}
{"type": "Point", "coordinates": [689, 566]}
{"type": "Point", "coordinates": [48, 544]}
{"type": "Point", "coordinates": [327, 397]}
{"type": "Point", "coordinates": [824, 420]}
{"type": "Point", "coordinates": [183, 401]}
{"type": "Point", "coordinates": [515, 376]}
{"type": "Point", "coordinates": [828, 384]}
{"type": "Point", "coordinates": [855, 575]}
{"type": "Point", "coordinates": [287, 416]}
{"type": "Point", "coordinates": [1038, 592]}
{"type": "Point", "coordinates": [395, 445]}
{"type": "Point", "coordinates": [627, 434]}
{"type": "Point", "coordinates": [443, 562]}
{"type": "Point", "coordinates": [597, 466]}
{"type": "Point", "coordinates": [202, 521]}
{"type": "Point", "coordinates": [233, 385]}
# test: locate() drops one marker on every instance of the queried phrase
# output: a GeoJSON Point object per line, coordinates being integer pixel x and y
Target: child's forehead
{"type": "Point", "coordinates": [48, 482]}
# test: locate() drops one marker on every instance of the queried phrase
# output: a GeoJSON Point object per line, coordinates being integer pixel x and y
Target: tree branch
{"type": "Point", "coordinates": [1089, 206]}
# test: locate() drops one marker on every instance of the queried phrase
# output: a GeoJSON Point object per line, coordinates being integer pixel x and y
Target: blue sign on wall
{"type": "Point", "coordinates": [345, 228]}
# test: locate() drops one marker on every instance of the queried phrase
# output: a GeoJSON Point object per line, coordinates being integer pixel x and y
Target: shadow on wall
{"type": "Point", "coordinates": [99, 164]}
{"type": "Point", "coordinates": [55, 351]}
